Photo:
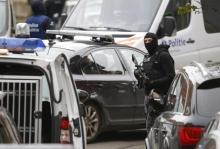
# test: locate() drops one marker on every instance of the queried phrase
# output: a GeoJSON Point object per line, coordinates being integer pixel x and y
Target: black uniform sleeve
{"type": "Point", "coordinates": [168, 69]}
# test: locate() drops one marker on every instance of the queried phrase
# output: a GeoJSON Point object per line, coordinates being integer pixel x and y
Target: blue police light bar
{"type": "Point", "coordinates": [22, 45]}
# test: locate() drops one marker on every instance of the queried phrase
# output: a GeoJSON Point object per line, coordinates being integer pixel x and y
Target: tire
{"type": "Point", "coordinates": [93, 122]}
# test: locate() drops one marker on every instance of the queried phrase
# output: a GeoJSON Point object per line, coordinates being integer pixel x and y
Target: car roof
{"type": "Point", "coordinates": [83, 45]}
{"type": "Point", "coordinates": [200, 73]}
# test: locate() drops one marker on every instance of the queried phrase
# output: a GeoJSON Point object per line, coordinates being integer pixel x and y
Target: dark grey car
{"type": "Point", "coordinates": [105, 71]}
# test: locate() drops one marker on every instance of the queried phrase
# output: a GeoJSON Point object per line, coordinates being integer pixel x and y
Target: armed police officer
{"type": "Point", "coordinates": [159, 68]}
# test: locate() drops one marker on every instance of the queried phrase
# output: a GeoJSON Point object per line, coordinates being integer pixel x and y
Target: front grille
{"type": "Point", "coordinates": [22, 100]}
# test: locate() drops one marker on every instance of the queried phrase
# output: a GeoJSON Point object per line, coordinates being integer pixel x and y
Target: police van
{"type": "Point", "coordinates": [193, 35]}
{"type": "Point", "coordinates": [40, 93]}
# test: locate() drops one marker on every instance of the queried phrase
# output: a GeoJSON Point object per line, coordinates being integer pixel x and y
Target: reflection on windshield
{"type": "Point", "coordinates": [114, 15]}
{"type": "Point", "coordinates": [3, 17]}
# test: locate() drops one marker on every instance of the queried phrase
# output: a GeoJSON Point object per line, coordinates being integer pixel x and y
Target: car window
{"type": "Point", "coordinates": [108, 62]}
{"type": "Point", "coordinates": [127, 55]}
{"type": "Point", "coordinates": [171, 98]}
{"type": "Point", "coordinates": [182, 94]}
{"type": "Point", "coordinates": [211, 15]}
{"type": "Point", "coordinates": [178, 93]}
{"type": "Point", "coordinates": [208, 94]}
{"type": "Point", "coordinates": [182, 20]}
{"type": "Point", "coordinates": [88, 65]}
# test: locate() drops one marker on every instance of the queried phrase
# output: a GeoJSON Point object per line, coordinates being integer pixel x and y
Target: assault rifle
{"type": "Point", "coordinates": [139, 73]}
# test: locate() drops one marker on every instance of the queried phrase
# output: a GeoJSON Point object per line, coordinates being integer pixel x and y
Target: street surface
{"type": "Point", "coordinates": [120, 140]}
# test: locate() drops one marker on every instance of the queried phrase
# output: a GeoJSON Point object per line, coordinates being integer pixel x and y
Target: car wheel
{"type": "Point", "coordinates": [93, 121]}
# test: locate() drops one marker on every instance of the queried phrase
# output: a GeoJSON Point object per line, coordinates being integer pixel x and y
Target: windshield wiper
{"type": "Point", "coordinates": [109, 28]}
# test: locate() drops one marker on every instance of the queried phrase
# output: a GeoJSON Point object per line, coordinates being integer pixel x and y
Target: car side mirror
{"type": "Point", "coordinates": [167, 26]}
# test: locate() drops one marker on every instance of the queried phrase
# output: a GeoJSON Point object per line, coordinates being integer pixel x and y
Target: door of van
{"type": "Point", "coordinates": [196, 34]}
{"type": "Point", "coordinates": [183, 40]}
{"type": "Point", "coordinates": [66, 105]}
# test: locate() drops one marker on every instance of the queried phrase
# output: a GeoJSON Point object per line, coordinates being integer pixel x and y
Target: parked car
{"type": "Point", "coordinates": [211, 136]}
{"type": "Point", "coordinates": [105, 70]}
{"type": "Point", "coordinates": [193, 98]}
{"type": "Point", "coordinates": [40, 93]}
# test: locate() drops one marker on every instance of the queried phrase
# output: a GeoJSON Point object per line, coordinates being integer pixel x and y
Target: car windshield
{"type": "Point", "coordinates": [208, 98]}
{"type": "Point", "coordinates": [113, 15]}
{"type": "Point", "coordinates": [3, 17]}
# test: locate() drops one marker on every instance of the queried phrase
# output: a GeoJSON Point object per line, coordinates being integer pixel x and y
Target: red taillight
{"type": "Point", "coordinates": [64, 124]}
{"type": "Point", "coordinates": [65, 131]}
{"type": "Point", "coordinates": [190, 135]}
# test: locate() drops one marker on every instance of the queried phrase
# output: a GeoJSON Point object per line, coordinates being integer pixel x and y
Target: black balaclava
{"type": "Point", "coordinates": [152, 46]}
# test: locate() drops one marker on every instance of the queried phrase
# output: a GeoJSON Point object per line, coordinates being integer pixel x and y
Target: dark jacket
{"type": "Point", "coordinates": [160, 69]}
{"type": "Point", "coordinates": [39, 22]}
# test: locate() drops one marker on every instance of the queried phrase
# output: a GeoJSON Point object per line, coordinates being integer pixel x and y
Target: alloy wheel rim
{"type": "Point", "coordinates": [92, 122]}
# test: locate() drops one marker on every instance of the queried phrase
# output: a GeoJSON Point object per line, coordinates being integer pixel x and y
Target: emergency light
{"type": "Point", "coordinates": [22, 45]}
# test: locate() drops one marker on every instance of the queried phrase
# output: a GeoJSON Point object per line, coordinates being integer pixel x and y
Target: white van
{"type": "Point", "coordinates": [193, 36]}
{"type": "Point", "coordinates": [7, 17]}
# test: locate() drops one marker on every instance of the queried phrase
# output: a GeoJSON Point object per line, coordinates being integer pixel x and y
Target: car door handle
{"type": "Point", "coordinates": [99, 85]}
{"type": "Point", "coordinates": [209, 61]}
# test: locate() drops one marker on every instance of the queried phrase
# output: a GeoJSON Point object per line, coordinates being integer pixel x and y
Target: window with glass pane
{"type": "Point", "coordinates": [176, 94]}
{"type": "Point", "coordinates": [182, 94]}
{"type": "Point", "coordinates": [88, 65]}
{"type": "Point", "coordinates": [171, 99]}
{"type": "Point", "coordinates": [127, 55]}
{"type": "Point", "coordinates": [108, 62]}
{"type": "Point", "coordinates": [211, 15]}
{"type": "Point", "coordinates": [182, 20]}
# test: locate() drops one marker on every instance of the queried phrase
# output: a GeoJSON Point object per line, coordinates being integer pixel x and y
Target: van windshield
{"type": "Point", "coordinates": [3, 17]}
{"type": "Point", "coordinates": [113, 15]}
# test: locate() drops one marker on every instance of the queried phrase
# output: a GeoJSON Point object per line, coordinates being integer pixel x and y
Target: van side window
{"type": "Point", "coordinates": [211, 15]}
{"type": "Point", "coordinates": [182, 21]}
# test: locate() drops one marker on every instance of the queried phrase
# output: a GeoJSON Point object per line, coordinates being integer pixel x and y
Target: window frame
{"type": "Point", "coordinates": [91, 52]}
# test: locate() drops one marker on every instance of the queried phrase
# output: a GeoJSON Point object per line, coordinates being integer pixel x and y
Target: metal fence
{"type": "Point", "coordinates": [22, 100]}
